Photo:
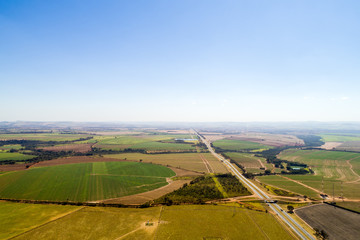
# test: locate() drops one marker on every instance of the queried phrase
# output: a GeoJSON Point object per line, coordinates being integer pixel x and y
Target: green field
{"type": "Point", "coordinates": [86, 223]}
{"type": "Point", "coordinates": [16, 218]}
{"type": "Point", "coordinates": [218, 222]}
{"type": "Point", "coordinates": [355, 206]}
{"type": "Point", "coordinates": [44, 136]}
{"type": "Point", "coordinates": [159, 146]}
{"type": "Point", "coordinates": [176, 222]}
{"type": "Point", "coordinates": [332, 165]}
{"type": "Point", "coordinates": [14, 156]}
{"type": "Point", "coordinates": [282, 183]}
{"type": "Point", "coordinates": [338, 170]}
{"type": "Point", "coordinates": [84, 181]}
{"type": "Point", "coordinates": [238, 145]}
{"type": "Point", "coordinates": [335, 137]}
{"type": "Point", "coordinates": [146, 142]}
{"type": "Point", "coordinates": [13, 146]}
{"type": "Point", "coordinates": [189, 161]}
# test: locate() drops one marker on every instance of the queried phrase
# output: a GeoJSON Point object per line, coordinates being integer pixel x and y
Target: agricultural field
{"type": "Point", "coordinates": [199, 162]}
{"type": "Point", "coordinates": [349, 146]}
{"type": "Point", "coordinates": [336, 222]}
{"type": "Point", "coordinates": [82, 148]}
{"type": "Point", "coordinates": [74, 159]}
{"type": "Point", "coordinates": [14, 156]}
{"type": "Point", "coordinates": [100, 223]}
{"type": "Point", "coordinates": [239, 145]}
{"type": "Point", "coordinates": [12, 146]}
{"type": "Point", "coordinates": [218, 222]}
{"type": "Point", "coordinates": [173, 222]}
{"type": "Point", "coordinates": [17, 218]}
{"type": "Point", "coordinates": [43, 136]}
{"type": "Point", "coordinates": [275, 140]}
{"type": "Point", "coordinates": [150, 143]}
{"type": "Point", "coordinates": [341, 142]}
{"type": "Point", "coordinates": [249, 161]}
{"type": "Point", "coordinates": [282, 183]}
{"type": "Point", "coordinates": [338, 170]}
{"type": "Point", "coordinates": [355, 206]}
{"type": "Point", "coordinates": [84, 181]}
{"type": "Point", "coordinates": [338, 137]}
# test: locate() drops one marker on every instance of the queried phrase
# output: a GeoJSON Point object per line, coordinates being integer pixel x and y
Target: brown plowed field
{"type": "Point", "coordinates": [337, 223]}
{"type": "Point", "coordinates": [141, 198]}
{"type": "Point", "coordinates": [14, 167]}
{"type": "Point", "coordinates": [82, 148]}
{"type": "Point", "coordinates": [78, 159]}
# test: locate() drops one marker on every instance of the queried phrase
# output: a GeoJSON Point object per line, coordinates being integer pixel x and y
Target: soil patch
{"type": "Point", "coordinates": [331, 145]}
{"type": "Point", "coordinates": [14, 167]}
{"type": "Point", "coordinates": [82, 148]}
{"type": "Point", "coordinates": [336, 222]}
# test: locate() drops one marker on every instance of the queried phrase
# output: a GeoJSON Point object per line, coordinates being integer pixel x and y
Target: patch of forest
{"type": "Point", "coordinates": [203, 189]}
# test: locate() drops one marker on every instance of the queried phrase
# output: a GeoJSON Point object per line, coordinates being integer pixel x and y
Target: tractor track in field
{"type": "Point", "coordinates": [207, 164]}
{"type": "Point", "coordinates": [302, 184]}
{"type": "Point", "coordinates": [51, 221]}
{"type": "Point", "coordinates": [352, 170]}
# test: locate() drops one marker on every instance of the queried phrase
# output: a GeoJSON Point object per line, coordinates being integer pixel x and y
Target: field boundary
{"type": "Point", "coordinates": [334, 205]}
{"type": "Point", "coordinates": [85, 204]}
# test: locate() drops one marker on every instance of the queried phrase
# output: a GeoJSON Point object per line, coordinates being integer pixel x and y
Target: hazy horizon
{"type": "Point", "coordinates": [180, 61]}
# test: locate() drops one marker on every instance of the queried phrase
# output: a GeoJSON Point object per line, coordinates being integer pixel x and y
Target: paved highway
{"type": "Point", "coordinates": [300, 231]}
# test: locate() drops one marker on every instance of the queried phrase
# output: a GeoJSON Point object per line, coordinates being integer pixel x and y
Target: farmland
{"type": "Point", "coordinates": [99, 223]}
{"type": "Point", "coordinates": [43, 136]}
{"type": "Point", "coordinates": [342, 142]}
{"type": "Point", "coordinates": [174, 222]}
{"type": "Point", "coordinates": [189, 161]}
{"type": "Point", "coordinates": [336, 137]}
{"type": "Point", "coordinates": [275, 140]}
{"type": "Point", "coordinates": [82, 148]}
{"type": "Point", "coordinates": [12, 146]}
{"type": "Point", "coordinates": [340, 170]}
{"type": "Point", "coordinates": [14, 156]}
{"type": "Point", "coordinates": [150, 143]}
{"type": "Point", "coordinates": [283, 183]}
{"type": "Point", "coordinates": [336, 222]}
{"type": "Point", "coordinates": [250, 162]}
{"type": "Point", "coordinates": [16, 218]}
{"type": "Point", "coordinates": [349, 146]}
{"type": "Point", "coordinates": [83, 182]}
{"type": "Point", "coordinates": [355, 206]}
{"type": "Point", "coordinates": [218, 222]}
{"type": "Point", "coordinates": [239, 145]}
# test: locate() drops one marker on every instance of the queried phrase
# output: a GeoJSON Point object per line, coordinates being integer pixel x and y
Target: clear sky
{"type": "Point", "coordinates": [184, 60]}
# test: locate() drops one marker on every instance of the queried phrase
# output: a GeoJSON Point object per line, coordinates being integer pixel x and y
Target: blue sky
{"type": "Point", "coordinates": [83, 60]}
